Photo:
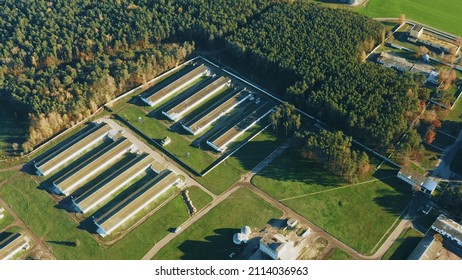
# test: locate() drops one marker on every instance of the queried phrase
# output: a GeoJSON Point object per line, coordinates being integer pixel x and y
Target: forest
{"type": "Point", "coordinates": [334, 152]}
{"type": "Point", "coordinates": [61, 60]}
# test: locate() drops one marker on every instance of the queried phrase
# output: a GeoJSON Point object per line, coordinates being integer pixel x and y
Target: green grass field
{"type": "Point", "coordinates": [443, 15]}
{"type": "Point", "coordinates": [404, 245]}
{"type": "Point", "coordinates": [37, 209]}
{"type": "Point", "coordinates": [358, 214]}
{"type": "Point", "coordinates": [338, 254]}
{"type": "Point", "coordinates": [244, 160]}
{"type": "Point", "coordinates": [211, 237]}
{"type": "Point", "coordinates": [198, 197]}
{"type": "Point", "coordinates": [6, 221]}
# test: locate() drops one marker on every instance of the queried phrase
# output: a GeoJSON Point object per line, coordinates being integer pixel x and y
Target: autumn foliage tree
{"type": "Point", "coordinates": [430, 136]}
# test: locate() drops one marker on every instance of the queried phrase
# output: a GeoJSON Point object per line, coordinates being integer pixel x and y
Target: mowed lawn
{"type": "Point", "coordinates": [444, 15]}
{"type": "Point", "coordinates": [59, 231]}
{"type": "Point", "coordinates": [241, 162]}
{"type": "Point", "coordinates": [211, 237]}
{"type": "Point", "coordinates": [358, 214]}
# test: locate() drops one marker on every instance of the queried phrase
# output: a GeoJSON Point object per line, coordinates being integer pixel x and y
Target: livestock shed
{"type": "Point", "coordinates": [176, 86]}
{"type": "Point", "coordinates": [222, 139]}
{"type": "Point", "coordinates": [69, 150]}
{"type": "Point", "coordinates": [135, 202]}
{"type": "Point", "coordinates": [202, 121]}
{"type": "Point", "coordinates": [178, 111]}
{"type": "Point", "coordinates": [70, 180]}
{"type": "Point", "coordinates": [116, 181]}
{"type": "Point", "coordinates": [11, 244]}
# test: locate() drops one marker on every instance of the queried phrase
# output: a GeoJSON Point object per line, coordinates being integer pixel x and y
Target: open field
{"type": "Point", "coordinates": [211, 237]}
{"type": "Point", "coordinates": [61, 232]}
{"type": "Point", "coordinates": [445, 16]}
{"type": "Point", "coordinates": [404, 245]}
{"type": "Point", "coordinates": [338, 254]}
{"type": "Point", "coordinates": [358, 214]}
{"type": "Point", "coordinates": [241, 162]}
{"type": "Point", "coordinates": [12, 130]}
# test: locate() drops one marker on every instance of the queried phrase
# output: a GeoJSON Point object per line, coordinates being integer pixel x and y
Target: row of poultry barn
{"type": "Point", "coordinates": [94, 167]}
{"type": "Point", "coordinates": [197, 84]}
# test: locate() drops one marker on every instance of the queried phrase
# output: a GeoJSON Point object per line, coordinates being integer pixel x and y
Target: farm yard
{"type": "Point", "coordinates": [211, 237]}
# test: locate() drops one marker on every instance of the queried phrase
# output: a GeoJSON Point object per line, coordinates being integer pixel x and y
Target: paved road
{"type": "Point", "coordinates": [158, 157]}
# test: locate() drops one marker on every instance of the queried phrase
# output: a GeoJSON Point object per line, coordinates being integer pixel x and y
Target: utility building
{"type": "Point", "coordinates": [202, 121]}
{"type": "Point", "coordinates": [115, 182]}
{"type": "Point", "coordinates": [135, 202]}
{"type": "Point", "coordinates": [222, 139]}
{"type": "Point", "coordinates": [197, 98]}
{"type": "Point", "coordinates": [57, 158]}
{"type": "Point", "coordinates": [72, 179]}
{"type": "Point", "coordinates": [11, 244]}
{"type": "Point", "coordinates": [182, 83]}
{"type": "Point", "coordinates": [426, 185]}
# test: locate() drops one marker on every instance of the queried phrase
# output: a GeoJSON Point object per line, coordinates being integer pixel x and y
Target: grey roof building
{"type": "Point", "coordinates": [413, 178]}
{"type": "Point", "coordinates": [70, 149]}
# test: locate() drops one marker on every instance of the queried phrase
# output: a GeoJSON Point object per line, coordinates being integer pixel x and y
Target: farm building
{"type": "Point", "coordinates": [221, 140]}
{"type": "Point", "coordinates": [202, 121]}
{"type": "Point", "coordinates": [135, 202]}
{"type": "Point", "coordinates": [66, 183]}
{"type": "Point", "coordinates": [413, 178]}
{"type": "Point", "coordinates": [427, 249]}
{"type": "Point", "coordinates": [182, 83]}
{"type": "Point", "coordinates": [200, 96]}
{"type": "Point", "coordinates": [449, 229]}
{"type": "Point", "coordinates": [391, 61]}
{"type": "Point", "coordinates": [116, 181]}
{"type": "Point", "coordinates": [57, 158]}
{"type": "Point", "coordinates": [279, 247]}
{"type": "Point", "coordinates": [416, 31]}
{"type": "Point", "coordinates": [11, 244]}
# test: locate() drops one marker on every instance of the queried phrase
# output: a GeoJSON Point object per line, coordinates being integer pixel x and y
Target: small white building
{"type": "Point", "coordinates": [292, 222]}
{"type": "Point", "coordinates": [416, 31]}
{"type": "Point", "coordinates": [279, 247]}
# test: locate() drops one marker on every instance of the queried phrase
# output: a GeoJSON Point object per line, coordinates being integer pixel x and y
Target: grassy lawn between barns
{"type": "Point", "coordinates": [59, 231]}
{"type": "Point", "coordinates": [224, 175]}
{"type": "Point", "coordinates": [358, 214]}
{"type": "Point", "coordinates": [211, 237]}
